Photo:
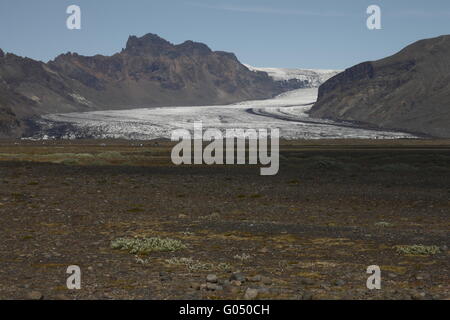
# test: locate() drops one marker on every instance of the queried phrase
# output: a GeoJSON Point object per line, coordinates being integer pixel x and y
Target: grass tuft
{"type": "Point", "coordinates": [146, 245]}
{"type": "Point", "coordinates": [418, 249]}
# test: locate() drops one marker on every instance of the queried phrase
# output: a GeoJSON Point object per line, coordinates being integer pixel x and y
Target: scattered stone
{"type": "Point", "coordinates": [251, 294]}
{"type": "Point", "coordinates": [254, 279]}
{"type": "Point", "coordinates": [232, 290]}
{"type": "Point", "coordinates": [196, 286]}
{"type": "Point", "coordinates": [307, 281]}
{"type": "Point", "coordinates": [213, 287]}
{"type": "Point", "coordinates": [307, 296]}
{"type": "Point", "coordinates": [392, 275]}
{"type": "Point", "coordinates": [235, 283]}
{"type": "Point", "coordinates": [418, 296]}
{"type": "Point", "coordinates": [35, 295]}
{"type": "Point", "coordinates": [212, 278]}
{"type": "Point", "coordinates": [238, 277]}
{"type": "Point", "coordinates": [182, 216]}
{"type": "Point", "coordinates": [263, 250]}
{"type": "Point", "coordinates": [267, 281]}
{"type": "Point", "coordinates": [164, 276]}
{"type": "Point", "coordinates": [339, 282]}
{"type": "Point", "coordinates": [423, 276]}
{"type": "Point", "coordinates": [444, 248]}
{"type": "Point", "coordinates": [325, 287]}
{"type": "Point", "coordinates": [263, 290]}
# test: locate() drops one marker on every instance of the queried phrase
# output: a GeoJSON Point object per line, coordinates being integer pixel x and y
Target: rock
{"type": "Point", "coordinates": [212, 278]}
{"type": "Point", "coordinates": [444, 248]}
{"type": "Point", "coordinates": [182, 216]}
{"type": "Point", "coordinates": [307, 281]}
{"type": "Point", "coordinates": [325, 287]}
{"type": "Point", "coordinates": [213, 287]}
{"type": "Point", "coordinates": [263, 290]}
{"type": "Point", "coordinates": [339, 282]}
{"type": "Point", "coordinates": [235, 283]}
{"type": "Point", "coordinates": [392, 275]}
{"type": "Point", "coordinates": [231, 290]}
{"type": "Point", "coordinates": [418, 295]}
{"type": "Point", "coordinates": [251, 294]}
{"type": "Point", "coordinates": [263, 250]}
{"type": "Point", "coordinates": [164, 276]}
{"type": "Point", "coordinates": [238, 277]}
{"type": "Point", "coordinates": [35, 295]}
{"type": "Point", "coordinates": [254, 279]}
{"type": "Point", "coordinates": [423, 276]}
{"type": "Point", "coordinates": [195, 286]}
{"type": "Point", "coordinates": [307, 296]}
{"type": "Point", "coordinates": [267, 281]}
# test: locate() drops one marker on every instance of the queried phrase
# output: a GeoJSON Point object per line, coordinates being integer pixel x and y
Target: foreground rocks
{"type": "Point", "coordinates": [307, 233]}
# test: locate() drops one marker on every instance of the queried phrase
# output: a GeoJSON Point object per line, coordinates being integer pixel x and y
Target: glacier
{"type": "Point", "coordinates": [287, 112]}
{"type": "Point", "coordinates": [313, 77]}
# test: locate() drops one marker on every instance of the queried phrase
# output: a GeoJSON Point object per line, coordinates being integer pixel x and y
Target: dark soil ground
{"type": "Point", "coordinates": [309, 232]}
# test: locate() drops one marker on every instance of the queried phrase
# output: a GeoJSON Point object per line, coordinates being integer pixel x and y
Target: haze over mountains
{"type": "Point", "coordinates": [150, 71]}
{"type": "Point", "coordinates": [407, 91]}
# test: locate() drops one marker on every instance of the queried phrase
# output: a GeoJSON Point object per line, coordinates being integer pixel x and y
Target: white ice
{"type": "Point", "coordinates": [286, 112]}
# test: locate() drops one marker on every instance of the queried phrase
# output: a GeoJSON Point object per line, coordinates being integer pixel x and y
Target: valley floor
{"type": "Point", "coordinates": [309, 232]}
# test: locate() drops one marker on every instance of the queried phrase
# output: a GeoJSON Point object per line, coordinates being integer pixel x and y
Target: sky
{"type": "Point", "coordinates": [326, 34]}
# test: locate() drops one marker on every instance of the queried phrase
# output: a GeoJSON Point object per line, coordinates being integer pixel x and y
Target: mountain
{"type": "Point", "coordinates": [28, 88]}
{"type": "Point", "coordinates": [150, 71]}
{"type": "Point", "coordinates": [311, 78]}
{"type": "Point", "coordinates": [408, 91]}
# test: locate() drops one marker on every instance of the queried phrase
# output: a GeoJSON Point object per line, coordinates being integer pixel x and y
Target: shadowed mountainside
{"type": "Point", "coordinates": [407, 91]}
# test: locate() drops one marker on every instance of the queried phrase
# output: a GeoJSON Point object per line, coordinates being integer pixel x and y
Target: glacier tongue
{"type": "Point", "coordinates": [287, 112]}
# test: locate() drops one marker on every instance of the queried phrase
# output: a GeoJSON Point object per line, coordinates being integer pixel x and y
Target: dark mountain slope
{"type": "Point", "coordinates": [409, 90]}
{"type": "Point", "coordinates": [150, 71]}
{"type": "Point", "coordinates": [29, 88]}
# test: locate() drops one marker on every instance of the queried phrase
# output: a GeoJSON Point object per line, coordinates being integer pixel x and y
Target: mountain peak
{"type": "Point", "coordinates": [192, 46]}
{"type": "Point", "coordinates": [149, 43]}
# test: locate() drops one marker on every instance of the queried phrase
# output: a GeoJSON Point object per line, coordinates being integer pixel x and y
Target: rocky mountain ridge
{"type": "Point", "coordinates": [408, 91]}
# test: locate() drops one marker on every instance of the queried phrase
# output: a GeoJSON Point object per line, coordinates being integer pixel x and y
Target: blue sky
{"type": "Point", "coordinates": [326, 34]}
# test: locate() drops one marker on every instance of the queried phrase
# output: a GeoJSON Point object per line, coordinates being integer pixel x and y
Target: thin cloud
{"type": "Point", "coordinates": [267, 10]}
{"type": "Point", "coordinates": [421, 14]}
